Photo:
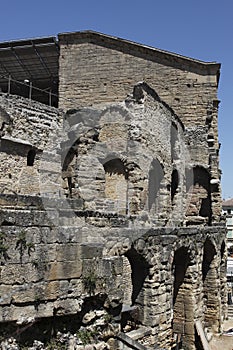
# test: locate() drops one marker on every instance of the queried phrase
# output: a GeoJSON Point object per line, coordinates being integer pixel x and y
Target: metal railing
{"type": "Point", "coordinates": [29, 85]}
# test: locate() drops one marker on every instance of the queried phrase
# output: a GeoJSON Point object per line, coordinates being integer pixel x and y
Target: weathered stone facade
{"type": "Point", "coordinates": [110, 212]}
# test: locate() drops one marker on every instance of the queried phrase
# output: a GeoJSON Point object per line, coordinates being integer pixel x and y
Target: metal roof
{"type": "Point", "coordinates": [33, 61]}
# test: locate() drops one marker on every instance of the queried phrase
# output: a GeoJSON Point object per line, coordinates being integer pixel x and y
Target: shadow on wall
{"type": "Point", "coordinates": [156, 175]}
{"type": "Point", "coordinates": [199, 195]}
{"type": "Point", "coordinates": [210, 285]}
{"type": "Point", "coordinates": [140, 270]}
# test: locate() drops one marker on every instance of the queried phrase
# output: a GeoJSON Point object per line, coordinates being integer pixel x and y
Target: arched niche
{"type": "Point", "coordinates": [183, 300]}
{"type": "Point", "coordinates": [198, 194]}
{"type": "Point", "coordinates": [174, 184]}
{"type": "Point", "coordinates": [135, 272]}
{"type": "Point", "coordinates": [116, 183]}
{"type": "Point", "coordinates": [156, 175]}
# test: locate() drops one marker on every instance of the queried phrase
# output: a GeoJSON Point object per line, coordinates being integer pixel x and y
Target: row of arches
{"type": "Point", "coordinates": [198, 190]}
{"type": "Point", "coordinates": [187, 289]}
{"type": "Point", "coordinates": [153, 191]}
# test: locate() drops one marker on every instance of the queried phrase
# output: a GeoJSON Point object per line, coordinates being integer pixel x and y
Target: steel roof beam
{"type": "Point", "coordinates": [21, 64]}
{"type": "Point", "coordinates": [41, 60]}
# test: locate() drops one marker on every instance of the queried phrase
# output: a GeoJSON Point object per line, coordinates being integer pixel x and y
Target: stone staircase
{"type": "Point", "coordinates": [230, 311]}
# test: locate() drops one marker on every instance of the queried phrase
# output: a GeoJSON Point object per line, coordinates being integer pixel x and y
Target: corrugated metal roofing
{"type": "Point", "coordinates": [33, 60]}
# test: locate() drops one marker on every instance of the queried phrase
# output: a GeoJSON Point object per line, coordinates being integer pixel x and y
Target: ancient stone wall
{"type": "Point", "coordinates": [52, 269]}
{"type": "Point", "coordinates": [95, 68]}
{"type": "Point", "coordinates": [119, 158]}
{"type": "Point", "coordinates": [122, 189]}
{"type": "Point", "coordinates": [27, 130]}
{"type": "Point", "coordinates": [99, 69]}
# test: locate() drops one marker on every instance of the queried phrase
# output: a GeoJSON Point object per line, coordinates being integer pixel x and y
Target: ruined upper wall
{"type": "Point", "coordinates": [27, 129]}
{"type": "Point", "coordinates": [96, 68]}
{"type": "Point", "coordinates": [99, 69]}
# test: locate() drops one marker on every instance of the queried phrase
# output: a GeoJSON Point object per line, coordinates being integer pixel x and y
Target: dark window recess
{"type": "Point", "coordinates": [115, 166]}
{"type": "Point", "coordinates": [156, 175]}
{"type": "Point", "coordinates": [174, 184]}
{"type": "Point", "coordinates": [31, 157]}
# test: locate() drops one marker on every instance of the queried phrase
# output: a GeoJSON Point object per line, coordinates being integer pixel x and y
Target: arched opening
{"type": "Point", "coordinates": [135, 271]}
{"type": "Point", "coordinates": [174, 184]}
{"type": "Point", "coordinates": [210, 287]}
{"type": "Point", "coordinates": [156, 175]}
{"type": "Point", "coordinates": [183, 300]}
{"type": "Point", "coordinates": [140, 270]}
{"type": "Point", "coordinates": [199, 195]}
{"type": "Point", "coordinates": [31, 157]}
{"type": "Point", "coordinates": [116, 178]}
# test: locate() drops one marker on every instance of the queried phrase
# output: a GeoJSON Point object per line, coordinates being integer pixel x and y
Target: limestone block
{"type": "Point", "coordinates": [63, 270]}
{"type": "Point", "coordinates": [70, 234]}
{"type": "Point", "coordinates": [5, 294]}
{"type": "Point", "coordinates": [19, 274]}
{"type": "Point", "coordinates": [68, 251]}
{"type": "Point", "coordinates": [44, 309]}
{"type": "Point", "coordinates": [90, 250]}
{"type": "Point", "coordinates": [67, 307]}
{"type": "Point", "coordinates": [16, 313]}
{"type": "Point", "coordinates": [75, 288]}
{"type": "Point", "coordinates": [110, 267]}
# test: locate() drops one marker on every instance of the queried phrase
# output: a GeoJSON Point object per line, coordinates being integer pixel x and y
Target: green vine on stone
{"type": "Point", "coordinates": [86, 336]}
{"type": "Point", "coordinates": [90, 282]}
{"type": "Point", "coordinates": [22, 245]}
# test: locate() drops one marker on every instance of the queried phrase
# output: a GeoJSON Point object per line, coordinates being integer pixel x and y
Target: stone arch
{"type": "Point", "coordinates": [156, 175]}
{"type": "Point", "coordinates": [140, 270]}
{"type": "Point", "coordinates": [199, 195]}
{"type": "Point", "coordinates": [210, 285]}
{"type": "Point", "coordinates": [74, 156]}
{"type": "Point", "coordinates": [135, 272]}
{"type": "Point", "coordinates": [183, 298]}
{"type": "Point", "coordinates": [116, 183]}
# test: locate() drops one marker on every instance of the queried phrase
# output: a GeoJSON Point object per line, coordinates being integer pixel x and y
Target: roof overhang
{"type": "Point", "coordinates": [31, 61]}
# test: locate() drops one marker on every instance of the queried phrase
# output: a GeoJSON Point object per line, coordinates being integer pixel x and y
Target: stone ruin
{"type": "Point", "coordinates": [110, 205]}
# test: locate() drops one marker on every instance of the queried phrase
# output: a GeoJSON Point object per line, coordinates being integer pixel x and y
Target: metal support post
{"type": "Point", "coordinates": [9, 84]}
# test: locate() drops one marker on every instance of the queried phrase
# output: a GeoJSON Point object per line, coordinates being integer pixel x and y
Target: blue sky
{"type": "Point", "coordinates": [201, 29]}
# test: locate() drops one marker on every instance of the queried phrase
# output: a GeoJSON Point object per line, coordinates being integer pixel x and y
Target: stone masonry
{"type": "Point", "coordinates": [110, 206]}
